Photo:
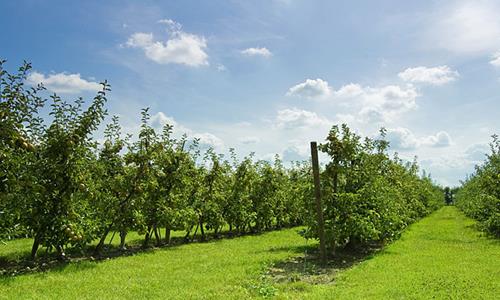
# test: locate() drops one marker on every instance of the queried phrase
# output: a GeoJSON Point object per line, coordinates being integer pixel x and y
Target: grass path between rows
{"type": "Point", "coordinates": [440, 257]}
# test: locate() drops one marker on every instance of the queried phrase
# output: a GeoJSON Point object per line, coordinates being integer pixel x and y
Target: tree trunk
{"type": "Point", "coordinates": [146, 237]}
{"type": "Point", "coordinates": [186, 237]}
{"type": "Point", "coordinates": [123, 235]}
{"type": "Point", "coordinates": [167, 235]}
{"type": "Point", "coordinates": [157, 236]}
{"type": "Point", "coordinates": [34, 248]}
{"type": "Point", "coordinates": [98, 248]}
{"type": "Point", "coordinates": [195, 231]}
{"type": "Point", "coordinates": [202, 231]}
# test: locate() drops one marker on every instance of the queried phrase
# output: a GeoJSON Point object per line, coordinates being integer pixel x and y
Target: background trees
{"type": "Point", "coordinates": [479, 196]}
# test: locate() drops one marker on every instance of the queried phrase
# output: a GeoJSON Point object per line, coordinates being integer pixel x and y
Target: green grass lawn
{"type": "Point", "coordinates": [440, 257]}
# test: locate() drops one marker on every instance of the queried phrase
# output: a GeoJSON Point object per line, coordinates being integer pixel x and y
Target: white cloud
{"type": "Point", "coordinates": [403, 139]}
{"type": "Point", "coordinates": [495, 61]}
{"type": "Point", "coordinates": [466, 27]}
{"type": "Point", "coordinates": [350, 90]}
{"type": "Point", "coordinates": [181, 48]}
{"type": "Point", "coordinates": [207, 139]}
{"type": "Point", "coordinates": [368, 104]}
{"type": "Point", "coordinates": [264, 52]}
{"type": "Point", "coordinates": [292, 118]}
{"type": "Point", "coordinates": [311, 89]}
{"type": "Point", "coordinates": [440, 139]}
{"type": "Point", "coordinates": [385, 103]}
{"type": "Point", "coordinates": [159, 120]}
{"type": "Point", "coordinates": [436, 75]}
{"type": "Point", "coordinates": [63, 83]}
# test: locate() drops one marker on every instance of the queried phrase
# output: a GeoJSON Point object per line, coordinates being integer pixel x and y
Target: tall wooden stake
{"type": "Point", "coordinates": [319, 206]}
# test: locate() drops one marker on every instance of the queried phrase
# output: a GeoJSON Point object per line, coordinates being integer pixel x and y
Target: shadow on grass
{"type": "Point", "coordinates": [308, 268]}
{"type": "Point", "coordinates": [21, 263]}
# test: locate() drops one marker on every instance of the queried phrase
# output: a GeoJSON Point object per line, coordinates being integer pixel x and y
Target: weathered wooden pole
{"type": "Point", "coordinates": [319, 205]}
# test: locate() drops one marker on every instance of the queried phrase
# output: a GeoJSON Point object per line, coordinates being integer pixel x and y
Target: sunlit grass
{"type": "Point", "coordinates": [440, 257]}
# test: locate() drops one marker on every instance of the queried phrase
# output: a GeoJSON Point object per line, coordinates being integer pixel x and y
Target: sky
{"type": "Point", "coordinates": [271, 76]}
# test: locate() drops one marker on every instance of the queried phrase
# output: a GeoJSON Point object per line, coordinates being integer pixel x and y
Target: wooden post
{"type": "Point", "coordinates": [319, 206]}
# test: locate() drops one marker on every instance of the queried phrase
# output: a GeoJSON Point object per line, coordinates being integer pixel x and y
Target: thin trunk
{"type": "Point", "coordinates": [202, 231]}
{"type": "Point", "coordinates": [157, 236]}
{"type": "Point", "coordinates": [112, 238]}
{"type": "Point", "coordinates": [195, 231]}
{"type": "Point", "coordinates": [34, 248]}
{"type": "Point", "coordinates": [98, 248]}
{"type": "Point", "coordinates": [167, 235]}
{"type": "Point", "coordinates": [123, 235]}
{"type": "Point", "coordinates": [146, 237]}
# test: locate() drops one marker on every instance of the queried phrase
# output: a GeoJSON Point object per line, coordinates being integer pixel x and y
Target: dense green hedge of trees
{"type": "Point", "coordinates": [479, 196]}
{"type": "Point", "coordinates": [369, 197]}
{"type": "Point", "coordinates": [63, 189]}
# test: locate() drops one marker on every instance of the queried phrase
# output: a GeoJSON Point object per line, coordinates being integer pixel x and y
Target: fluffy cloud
{"type": "Point", "coordinates": [495, 61]}
{"type": "Point", "coordinates": [181, 48]}
{"type": "Point", "coordinates": [63, 83]}
{"type": "Point", "coordinates": [384, 104]}
{"type": "Point", "coordinates": [350, 90]}
{"type": "Point", "coordinates": [210, 140]}
{"type": "Point", "coordinates": [264, 52]}
{"type": "Point", "coordinates": [435, 76]}
{"type": "Point", "coordinates": [374, 105]}
{"type": "Point", "coordinates": [291, 118]}
{"type": "Point", "coordinates": [206, 139]}
{"type": "Point", "coordinates": [403, 139]}
{"type": "Point", "coordinates": [440, 139]}
{"type": "Point", "coordinates": [465, 27]}
{"type": "Point", "coordinates": [311, 89]}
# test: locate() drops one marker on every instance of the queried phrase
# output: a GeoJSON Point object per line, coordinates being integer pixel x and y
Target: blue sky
{"type": "Point", "coordinates": [269, 76]}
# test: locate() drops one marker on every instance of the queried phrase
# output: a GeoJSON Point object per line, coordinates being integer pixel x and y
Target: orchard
{"type": "Point", "coordinates": [64, 190]}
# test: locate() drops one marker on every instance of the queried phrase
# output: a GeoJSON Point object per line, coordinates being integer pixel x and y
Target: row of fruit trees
{"type": "Point", "coordinates": [63, 189]}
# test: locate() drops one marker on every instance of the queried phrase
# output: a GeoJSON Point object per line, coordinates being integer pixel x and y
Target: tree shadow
{"type": "Point", "coordinates": [308, 268]}
{"type": "Point", "coordinates": [21, 263]}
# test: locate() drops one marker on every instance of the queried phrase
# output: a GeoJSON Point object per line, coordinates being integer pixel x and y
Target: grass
{"type": "Point", "coordinates": [441, 257]}
{"type": "Point", "coordinates": [226, 268]}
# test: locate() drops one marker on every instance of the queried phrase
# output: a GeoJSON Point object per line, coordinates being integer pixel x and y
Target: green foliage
{"type": "Point", "coordinates": [367, 196]}
{"type": "Point", "coordinates": [20, 129]}
{"type": "Point", "coordinates": [63, 189]}
{"type": "Point", "coordinates": [479, 196]}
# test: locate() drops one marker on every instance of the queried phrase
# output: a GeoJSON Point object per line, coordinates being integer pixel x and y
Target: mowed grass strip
{"type": "Point", "coordinates": [221, 269]}
{"type": "Point", "coordinates": [440, 257]}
